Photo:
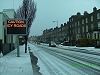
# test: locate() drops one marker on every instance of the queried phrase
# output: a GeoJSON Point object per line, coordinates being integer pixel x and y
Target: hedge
{"type": "Point", "coordinates": [85, 42]}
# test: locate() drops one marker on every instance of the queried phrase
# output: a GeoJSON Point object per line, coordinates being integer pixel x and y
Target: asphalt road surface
{"type": "Point", "coordinates": [57, 61]}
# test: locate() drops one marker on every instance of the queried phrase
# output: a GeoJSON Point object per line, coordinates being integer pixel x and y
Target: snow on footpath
{"type": "Point", "coordinates": [10, 64]}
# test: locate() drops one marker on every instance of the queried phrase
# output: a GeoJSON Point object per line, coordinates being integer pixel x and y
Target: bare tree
{"type": "Point", "coordinates": [27, 11]}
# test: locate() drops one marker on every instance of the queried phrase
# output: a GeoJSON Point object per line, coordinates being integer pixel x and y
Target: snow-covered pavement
{"type": "Point", "coordinates": [10, 64]}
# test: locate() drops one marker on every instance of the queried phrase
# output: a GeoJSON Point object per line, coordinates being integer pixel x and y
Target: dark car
{"type": "Point", "coordinates": [97, 44]}
{"type": "Point", "coordinates": [21, 41]}
{"type": "Point", "coordinates": [52, 44]}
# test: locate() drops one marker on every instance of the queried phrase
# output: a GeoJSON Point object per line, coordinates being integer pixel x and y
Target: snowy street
{"type": "Point", "coordinates": [50, 37]}
{"type": "Point", "coordinates": [58, 61]}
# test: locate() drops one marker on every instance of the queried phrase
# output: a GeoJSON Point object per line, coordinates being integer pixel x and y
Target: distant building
{"type": "Point", "coordinates": [78, 26]}
{"type": "Point", "coordinates": [32, 39]}
{"type": "Point", "coordinates": [86, 26]}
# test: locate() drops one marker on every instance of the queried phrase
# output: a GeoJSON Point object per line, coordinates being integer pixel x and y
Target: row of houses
{"type": "Point", "coordinates": [7, 42]}
{"type": "Point", "coordinates": [78, 26]}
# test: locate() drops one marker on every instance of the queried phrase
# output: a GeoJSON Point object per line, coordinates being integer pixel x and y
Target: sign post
{"type": "Point", "coordinates": [18, 53]}
{"type": "Point", "coordinates": [16, 27]}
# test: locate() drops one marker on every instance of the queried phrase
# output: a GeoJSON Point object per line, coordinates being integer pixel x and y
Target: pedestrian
{"type": "Point", "coordinates": [1, 54]}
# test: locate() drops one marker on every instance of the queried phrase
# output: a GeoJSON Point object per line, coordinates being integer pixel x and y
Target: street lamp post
{"type": "Point", "coordinates": [56, 22]}
{"type": "Point", "coordinates": [57, 28]}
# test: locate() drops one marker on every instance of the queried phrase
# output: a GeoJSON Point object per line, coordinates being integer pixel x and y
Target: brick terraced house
{"type": "Point", "coordinates": [78, 26]}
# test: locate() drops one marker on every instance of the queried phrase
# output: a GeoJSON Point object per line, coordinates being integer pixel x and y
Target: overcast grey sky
{"type": "Point", "coordinates": [52, 10]}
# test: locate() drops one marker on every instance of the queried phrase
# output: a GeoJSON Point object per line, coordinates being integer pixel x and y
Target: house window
{"type": "Point", "coordinates": [98, 25]}
{"type": "Point", "coordinates": [70, 31]}
{"type": "Point", "coordinates": [73, 31]}
{"type": "Point", "coordinates": [75, 24]}
{"type": "Point", "coordinates": [98, 15]}
{"type": "Point", "coordinates": [92, 27]}
{"type": "Point", "coordinates": [62, 29]}
{"type": "Point", "coordinates": [86, 28]}
{"type": "Point", "coordinates": [86, 20]}
{"type": "Point", "coordinates": [95, 35]}
{"type": "Point", "coordinates": [98, 35]}
{"type": "Point", "coordinates": [88, 35]}
{"type": "Point", "coordinates": [83, 21]}
{"type": "Point", "coordinates": [78, 23]}
{"type": "Point", "coordinates": [72, 19]}
{"type": "Point", "coordinates": [83, 29]}
{"type": "Point", "coordinates": [91, 18]}
{"type": "Point", "coordinates": [72, 25]}
{"type": "Point", "coordinates": [78, 30]}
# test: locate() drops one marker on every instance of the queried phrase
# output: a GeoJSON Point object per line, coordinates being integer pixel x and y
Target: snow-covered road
{"type": "Point", "coordinates": [53, 63]}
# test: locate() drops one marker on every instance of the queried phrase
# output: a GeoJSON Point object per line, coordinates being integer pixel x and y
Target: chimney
{"type": "Point", "coordinates": [78, 13]}
{"type": "Point", "coordinates": [61, 25]}
{"type": "Point", "coordinates": [85, 13]}
{"type": "Point", "coordinates": [94, 9]}
{"type": "Point", "coordinates": [64, 23]}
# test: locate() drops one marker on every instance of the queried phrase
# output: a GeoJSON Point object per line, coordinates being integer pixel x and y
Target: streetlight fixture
{"type": "Point", "coordinates": [57, 28]}
{"type": "Point", "coordinates": [56, 22]}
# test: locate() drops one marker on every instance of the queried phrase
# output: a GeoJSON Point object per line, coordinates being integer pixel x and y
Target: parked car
{"type": "Point", "coordinates": [97, 44]}
{"type": "Point", "coordinates": [58, 43]}
{"type": "Point", "coordinates": [21, 41]}
{"type": "Point", "coordinates": [52, 44]}
{"type": "Point", "coordinates": [66, 43]}
{"type": "Point", "coordinates": [38, 43]}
